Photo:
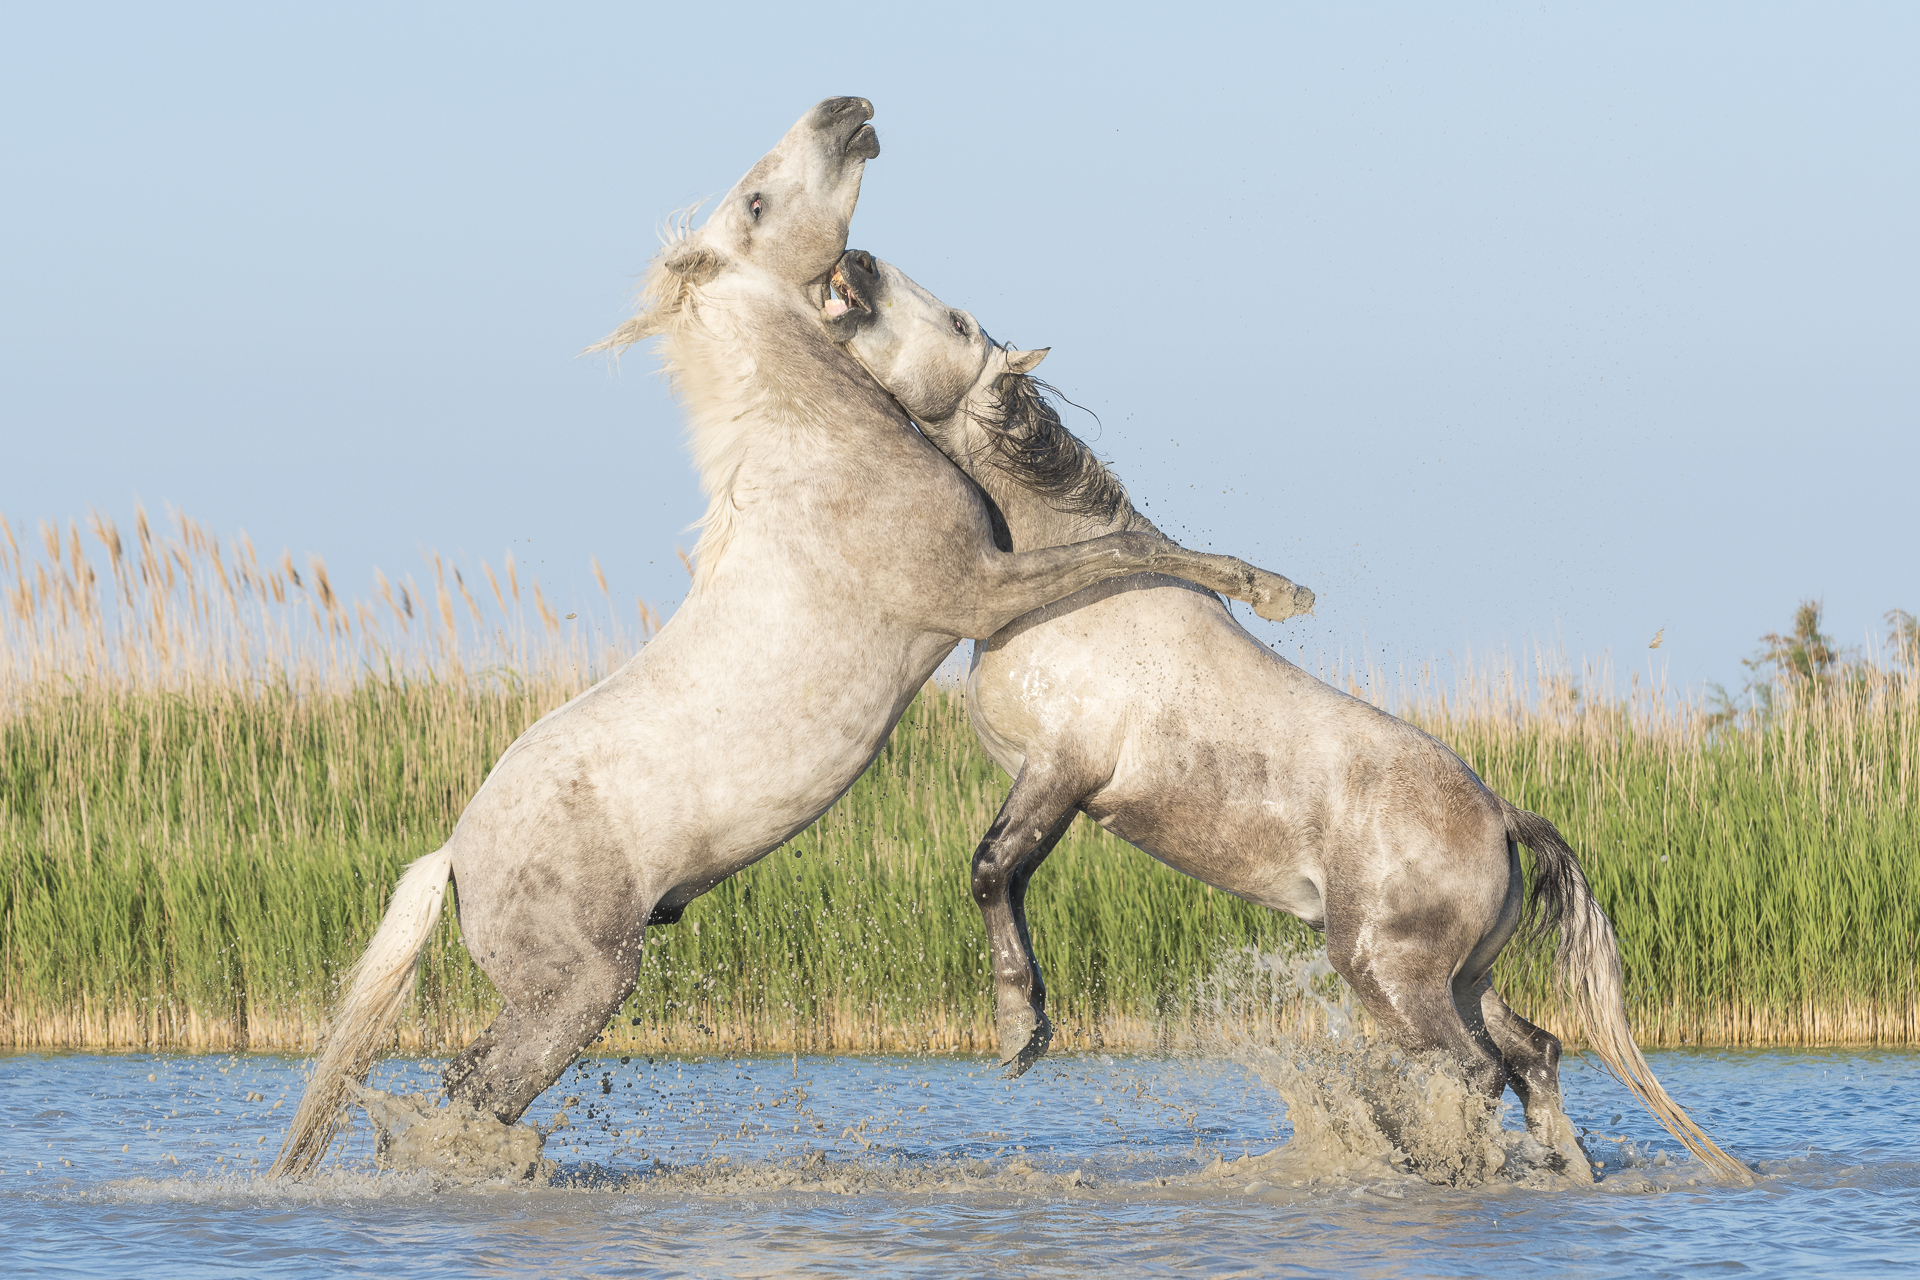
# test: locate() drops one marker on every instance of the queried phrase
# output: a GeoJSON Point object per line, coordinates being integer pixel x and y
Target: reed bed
{"type": "Point", "coordinates": [213, 768]}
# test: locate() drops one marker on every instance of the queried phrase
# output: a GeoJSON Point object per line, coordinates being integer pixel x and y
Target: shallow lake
{"type": "Point", "coordinates": [141, 1164]}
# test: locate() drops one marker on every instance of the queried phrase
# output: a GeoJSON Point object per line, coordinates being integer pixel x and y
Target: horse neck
{"type": "Point", "coordinates": [744, 373]}
{"type": "Point", "coordinates": [764, 384]}
{"type": "Point", "coordinates": [1033, 520]}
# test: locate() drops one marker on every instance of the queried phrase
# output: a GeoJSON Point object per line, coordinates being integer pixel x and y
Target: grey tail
{"type": "Point", "coordinates": [1588, 975]}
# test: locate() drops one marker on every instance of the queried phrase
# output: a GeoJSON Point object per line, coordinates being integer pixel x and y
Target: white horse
{"type": "Point", "coordinates": [842, 559]}
{"type": "Point", "coordinates": [1142, 703]}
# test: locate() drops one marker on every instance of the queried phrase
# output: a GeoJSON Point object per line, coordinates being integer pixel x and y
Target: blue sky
{"type": "Point", "coordinates": [1496, 325]}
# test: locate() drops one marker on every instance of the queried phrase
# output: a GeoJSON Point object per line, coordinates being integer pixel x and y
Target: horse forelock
{"type": "Point", "coordinates": [1031, 444]}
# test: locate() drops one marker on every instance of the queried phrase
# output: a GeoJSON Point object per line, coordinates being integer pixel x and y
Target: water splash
{"type": "Point", "coordinates": [1361, 1107]}
{"type": "Point", "coordinates": [419, 1132]}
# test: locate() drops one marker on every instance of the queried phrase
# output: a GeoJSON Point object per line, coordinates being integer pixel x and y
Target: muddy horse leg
{"type": "Point", "coordinates": [1036, 813]}
{"type": "Point", "coordinates": [1403, 973]}
{"type": "Point", "coordinates": [556, 1004]}
{"type": "Point", "coordinates": [1405, 980]}
{"type": "Point", "coordinates": [1533, 1069]}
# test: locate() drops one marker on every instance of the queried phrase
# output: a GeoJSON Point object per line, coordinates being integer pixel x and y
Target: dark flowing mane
{"type": "Point", "coordinates": [1031, 445]}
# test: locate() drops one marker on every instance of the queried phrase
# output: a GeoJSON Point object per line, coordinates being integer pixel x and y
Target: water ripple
{"type": "Point", "coordinates": [123, 1164]}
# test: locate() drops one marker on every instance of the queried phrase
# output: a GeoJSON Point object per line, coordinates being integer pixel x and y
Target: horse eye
{"type": "Point", "coordinates": [960, 326]}
{"type": "Point", "coordinates": [754, 208]}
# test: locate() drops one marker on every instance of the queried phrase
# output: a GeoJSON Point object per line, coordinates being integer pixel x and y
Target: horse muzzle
{"type": "Point", "coordinates": [854, 284]}
{"type": "Point", "coordinates": [847, 120]}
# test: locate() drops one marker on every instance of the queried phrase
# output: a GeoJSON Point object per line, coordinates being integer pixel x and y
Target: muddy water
{"type": "Point", "coordinates": [117, 1165]}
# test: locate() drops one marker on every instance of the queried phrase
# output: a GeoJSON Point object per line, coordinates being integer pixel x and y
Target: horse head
{"type": "Point", "coordinates": [938, 362]}
{"type": "Point", "coordinates": [778, 231]}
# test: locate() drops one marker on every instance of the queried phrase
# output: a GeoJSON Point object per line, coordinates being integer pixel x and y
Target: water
{"type": "Point", "coordinates": [116, 1165]}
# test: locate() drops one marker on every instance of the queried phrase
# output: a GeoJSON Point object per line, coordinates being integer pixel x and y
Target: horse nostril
{"type": "Point", "coordinates": [863, 261]}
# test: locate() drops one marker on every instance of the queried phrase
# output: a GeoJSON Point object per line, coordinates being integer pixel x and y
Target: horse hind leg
{"type": "Point", "coordinates": [1035, 815]}
{"type": "Point", "coordinates": [1405, 981]}
{"type": "Point", "coordinates": [554, 1009]}
{"type": "Point", "coordinates": [1532, 1056]}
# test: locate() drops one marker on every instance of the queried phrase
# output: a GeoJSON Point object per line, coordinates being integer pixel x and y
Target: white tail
{"type": "Point", "coordinates": [381, 982]}
{"type": "Point", "coordinates": [1590, 979]}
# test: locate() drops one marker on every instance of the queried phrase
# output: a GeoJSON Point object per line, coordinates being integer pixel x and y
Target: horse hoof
{"type": "Point", "coordinates": [1022, 1062]}
{"type": "Point", "coordinates": [1579, 1169]}
{"type": "Point", "coordinates": [1286, 601]}
{"type": "Point", "coordinates": [1020, 1050]}
{"type": "Point", "coordinates": [1573, 1166]}
{"type": "Point", "coordinates": [1570, 1160]}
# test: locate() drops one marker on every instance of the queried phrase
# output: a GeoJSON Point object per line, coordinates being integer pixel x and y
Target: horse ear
{"type": "Point", "coordinates": [664, 294]}
{"type": "Point", "coordinates": [1025, 361]}
{"type": "Point", "coordinates": [694, 263]}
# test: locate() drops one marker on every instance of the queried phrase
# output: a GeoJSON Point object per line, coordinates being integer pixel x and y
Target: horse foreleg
{"type": "Point", "coordinates": [1040, 1038]}
{"type": "Point", "coordinates": [1007, 586]}
{"type": "Point", "coordinates": [1533, 1068]}
{"type": "Point", "coordinates": [1037, 812]}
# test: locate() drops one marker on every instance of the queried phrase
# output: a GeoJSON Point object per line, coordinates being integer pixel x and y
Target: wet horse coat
{"type": "Point", "coordinates": [1142, 703]}
{"type": "Point", "coordinates": [842, 558]}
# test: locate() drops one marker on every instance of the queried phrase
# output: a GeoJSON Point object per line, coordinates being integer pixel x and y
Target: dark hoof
{"type": "Point", "coordinates": [1570, 1159]}
{"type": "Point", "coordinates": [1031, 1050]}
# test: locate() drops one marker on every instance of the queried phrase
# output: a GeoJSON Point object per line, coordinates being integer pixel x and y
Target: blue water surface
{"type": "Point", "coordinates": [113, 1165]}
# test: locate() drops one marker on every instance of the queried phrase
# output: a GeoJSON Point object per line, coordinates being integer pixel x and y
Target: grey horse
{"type": "Point", "coordinates": [1142, 703]}
{"type": "Point", "coordinates": [842, 558]}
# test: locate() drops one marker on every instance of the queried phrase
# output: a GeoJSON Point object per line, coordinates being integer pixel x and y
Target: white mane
{"type": "Point", "coordinates": [711, 370]}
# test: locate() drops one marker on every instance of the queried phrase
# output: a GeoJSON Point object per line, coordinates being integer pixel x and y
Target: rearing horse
{"type": "Point", "coordinates": [1142, 703]}
{"type": "Point", "coordinates": [820, 606]}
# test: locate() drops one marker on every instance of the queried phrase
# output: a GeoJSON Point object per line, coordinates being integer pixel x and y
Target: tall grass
{"type": "Point", "coordinates": [213, 769]}
{"type": "Point", "coordinates": [1761, 874]}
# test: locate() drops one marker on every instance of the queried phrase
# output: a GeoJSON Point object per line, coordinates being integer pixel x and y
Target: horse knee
{"type": "Point", "coordinates": [989, 877]}
{"type": "Point", "coordinates": [1534, 1063]}
{"type": "Point", "coordinates": [1546, 1049]}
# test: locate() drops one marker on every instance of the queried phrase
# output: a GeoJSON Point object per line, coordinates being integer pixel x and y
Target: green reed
{"type": "Point", "coordinates": [211, 774]}
{"type": "Point", "coordinates": [1762, 878]}
{"type": "Point", "coordinates": [205, 873]}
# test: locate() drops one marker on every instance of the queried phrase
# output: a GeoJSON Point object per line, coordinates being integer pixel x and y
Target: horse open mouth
{"type": "Point", "coordinates": [864, 144]}
{"type": "Point", "coordinates": [851, 284]}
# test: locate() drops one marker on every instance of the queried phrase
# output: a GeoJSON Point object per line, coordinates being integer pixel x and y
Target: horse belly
{"type": "Point", "coordinates": [689, 764]}
{"type": "Point", "coordinates": [1206, 824]}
